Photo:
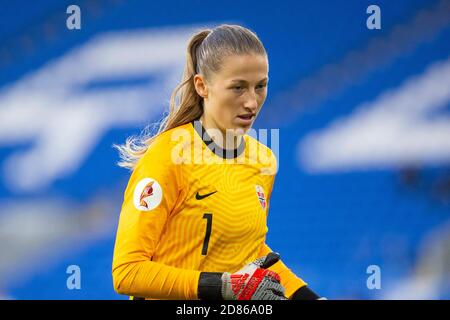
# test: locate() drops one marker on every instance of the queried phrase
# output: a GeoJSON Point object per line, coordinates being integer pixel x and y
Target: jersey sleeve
{"type": "Point", "coordinates": [155, 190]}
{"type": "Point", "coordinates": [288, 279]}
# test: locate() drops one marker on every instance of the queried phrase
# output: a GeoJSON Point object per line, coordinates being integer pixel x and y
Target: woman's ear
{"type": "Point", "coordinates": [200, 86]}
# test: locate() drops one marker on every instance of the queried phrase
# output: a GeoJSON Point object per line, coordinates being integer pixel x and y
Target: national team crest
{"type": "Point", "coordinates": [147, 194]}
{"type": "Point", "coordinates": [261, 197]}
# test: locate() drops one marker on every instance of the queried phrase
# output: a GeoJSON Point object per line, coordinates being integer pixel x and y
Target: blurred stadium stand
{"type": "Point", "coordinates": [364, 161]}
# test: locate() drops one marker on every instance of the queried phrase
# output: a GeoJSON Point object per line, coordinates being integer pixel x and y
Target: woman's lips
{"type": "Point", "coordinates": [245, 119]}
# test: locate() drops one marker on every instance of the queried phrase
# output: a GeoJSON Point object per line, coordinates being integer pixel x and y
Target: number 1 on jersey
{"type": "Point", "coordinates": [208, 217]}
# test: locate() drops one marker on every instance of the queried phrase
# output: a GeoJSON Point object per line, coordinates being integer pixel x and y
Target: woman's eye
{"type": "Point", "coordinates": [261, 86]}
{"type": "Point", "coordinates": [237, 88]}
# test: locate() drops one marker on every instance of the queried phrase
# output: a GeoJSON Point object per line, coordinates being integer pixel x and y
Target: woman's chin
{"type": "Point", "coordinates": [241, 129]}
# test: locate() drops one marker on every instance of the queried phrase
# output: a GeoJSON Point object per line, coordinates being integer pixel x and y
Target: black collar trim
{"type": "Point", "coordinates": [223, 153]}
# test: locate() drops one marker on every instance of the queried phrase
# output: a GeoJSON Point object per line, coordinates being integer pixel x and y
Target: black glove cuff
{"type": "Point", "coordinates": [304, 293]}
{"type": "Point", "coordinates": [210, 286]}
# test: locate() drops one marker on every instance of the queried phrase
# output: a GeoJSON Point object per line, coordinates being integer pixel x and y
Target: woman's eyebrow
{"type": "Point", "coordinates": [245, 81]}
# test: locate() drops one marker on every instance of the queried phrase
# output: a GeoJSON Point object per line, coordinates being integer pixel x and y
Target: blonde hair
{"type": "Point", "coordinates": [205, 53]}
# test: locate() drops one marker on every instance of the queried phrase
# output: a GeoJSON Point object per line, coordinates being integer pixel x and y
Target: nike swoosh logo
{"type": "Point", "coordinates": [200, 197]}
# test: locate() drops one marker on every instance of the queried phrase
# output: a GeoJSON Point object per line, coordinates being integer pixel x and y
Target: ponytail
{"type": "Point", "coordinates": [190, 108]}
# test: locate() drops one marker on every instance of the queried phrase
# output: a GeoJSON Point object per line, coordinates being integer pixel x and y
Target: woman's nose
{"type": "Point", "coordinates": [251, 101]}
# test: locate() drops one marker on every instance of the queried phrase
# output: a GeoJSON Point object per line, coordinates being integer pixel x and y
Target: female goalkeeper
{"type": "Point", "coordinates": [193, 220]}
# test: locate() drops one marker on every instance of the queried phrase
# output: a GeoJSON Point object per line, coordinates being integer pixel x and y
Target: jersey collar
{"type": "Point", "coordinates": [216, 149]}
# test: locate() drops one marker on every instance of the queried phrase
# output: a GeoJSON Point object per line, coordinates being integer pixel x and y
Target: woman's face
{"type": "Point", "coordinates": [234, 96]}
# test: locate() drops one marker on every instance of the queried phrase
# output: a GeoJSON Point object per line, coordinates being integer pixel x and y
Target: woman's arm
{"type": "Point", "coordinates": [288, 279]}
{"type": "Point", "coordinates": [155, 280]}
{"type": "Point", "coordinates": [155, 189]}
{"type": "Point", "coordinates": [295, 286]}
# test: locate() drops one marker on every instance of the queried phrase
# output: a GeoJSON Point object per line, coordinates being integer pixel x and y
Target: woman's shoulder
{"type": "Point", "coordinates": [255, 144]}
{"type": "Point", "coordinates": [170, 137]}
{"type": "Point", "coordinates": [261, 154]}
{"type": "Point", "coordinates": [162, 146]}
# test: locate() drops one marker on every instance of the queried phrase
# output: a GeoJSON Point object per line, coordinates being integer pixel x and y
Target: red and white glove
{"type": "Point", "coordinates": [254, 281]}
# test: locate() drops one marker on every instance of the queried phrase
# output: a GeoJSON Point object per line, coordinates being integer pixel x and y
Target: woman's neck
{"type": "Point", "coordinates": [219, 136]}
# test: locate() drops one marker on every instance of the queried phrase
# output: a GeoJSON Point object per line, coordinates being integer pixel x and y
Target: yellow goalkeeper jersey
{"type": "Point", "coordinates": [190, 207]}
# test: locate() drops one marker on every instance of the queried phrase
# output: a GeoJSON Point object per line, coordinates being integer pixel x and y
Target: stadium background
{"type": "Point", "coordinates": [364, 123]}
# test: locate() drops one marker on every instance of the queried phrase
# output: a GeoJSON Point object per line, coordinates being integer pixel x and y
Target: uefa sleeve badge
{"type": "Point", "coordinates": [147, 194]}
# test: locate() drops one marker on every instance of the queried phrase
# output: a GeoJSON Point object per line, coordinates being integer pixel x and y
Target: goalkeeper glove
{"type": "Point", "coordinates": [252, 282]}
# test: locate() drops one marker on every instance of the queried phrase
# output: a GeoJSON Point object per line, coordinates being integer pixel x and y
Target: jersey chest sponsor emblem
{"type": "Point", "coordinates": [147, 194]}
{"type": "Point", "coordinates": [261, 196]}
